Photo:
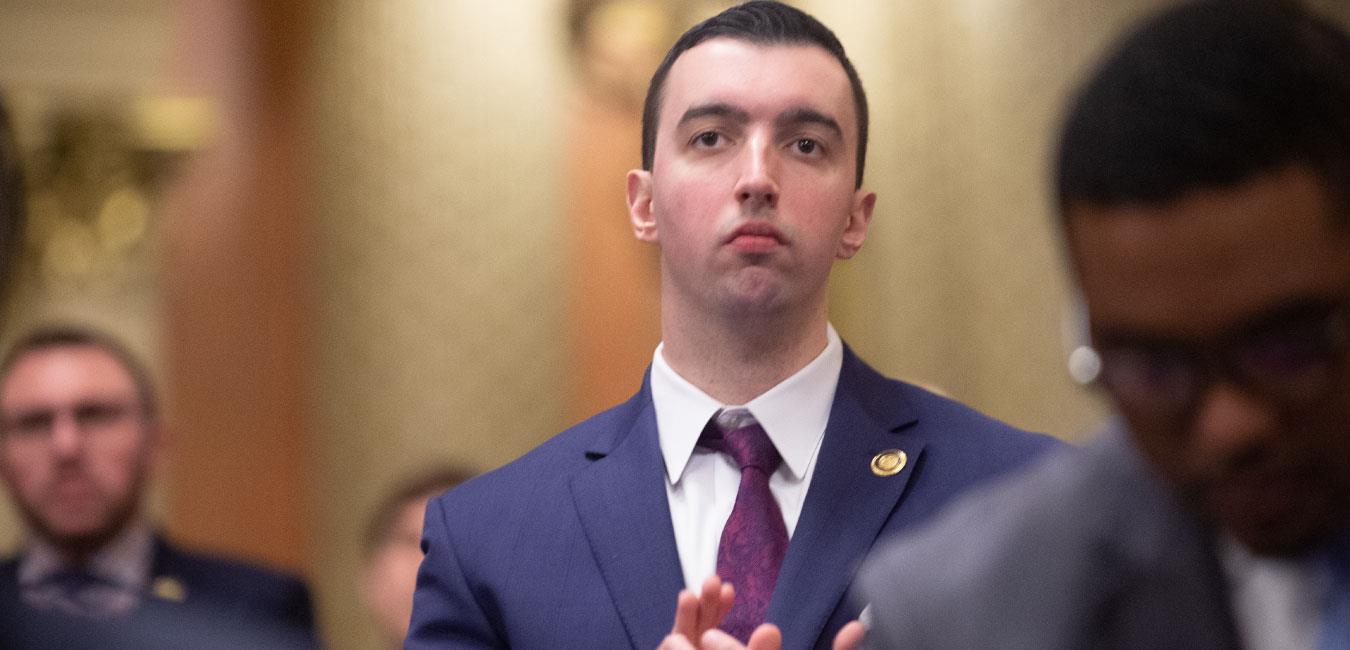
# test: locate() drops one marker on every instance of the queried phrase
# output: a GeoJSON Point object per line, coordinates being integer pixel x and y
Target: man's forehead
{"type": "Point", "coordinates": [46, 372]}
{"type": "Point", "coordinates": [759, 78]}
{"type": "Point", "coordinates": [1209, 259]}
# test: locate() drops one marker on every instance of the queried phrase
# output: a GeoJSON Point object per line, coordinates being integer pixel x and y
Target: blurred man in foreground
{"type": "Point", "coordinates": [1204, 184]}
{"type": "Point", "coordinates": [79, 437]}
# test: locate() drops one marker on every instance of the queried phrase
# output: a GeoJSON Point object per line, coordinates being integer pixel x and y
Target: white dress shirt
{"type": "Point", "coordinates": [701, 484]}
{"type": "Point", "coordinates": [1276, 602]}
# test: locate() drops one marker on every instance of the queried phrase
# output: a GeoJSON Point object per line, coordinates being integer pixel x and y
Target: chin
{"type": "Point", "coordinates": [78, 535]}
{"type": "Point", "coordinates": [1286, 537]}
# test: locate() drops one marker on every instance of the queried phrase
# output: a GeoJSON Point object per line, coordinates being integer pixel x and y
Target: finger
{"type": "Point", "coordinates": [719, 640]}
{"type": "Point", "coordinates": [766, 637]}
{"type": "Point", "coordinates": [850, 636]}
{"type": "Point", "coordinates": [675, 642]}
{"type": "Point", "coordinates": [686, 615]}
{"type": "Point", "coordinates": [709, 606]}
{"type": "Point", "coordinates": [725, 596]}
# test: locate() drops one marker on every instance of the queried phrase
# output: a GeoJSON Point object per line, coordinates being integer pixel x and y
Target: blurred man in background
{"type": "Point", "coordinates": [393, 551]}
{"type": "Point", "coordinates": [1204, 185]}
{"type": "Point", "coordinates": [79, 438]}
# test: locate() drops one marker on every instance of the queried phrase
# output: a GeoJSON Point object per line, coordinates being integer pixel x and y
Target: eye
{"type": "Point", "coordinates": [806, 146]}
{"type": "Point", "coordinates": [1141, 372]}
{"type": "Point", "coordinates": [1299, 348]}
{"type": "Point", "coordinates": [707, 139]}
{"type": "Point", "coordinates": [98, 414]}
{"type": "Point", "coordinates": [30, 425]}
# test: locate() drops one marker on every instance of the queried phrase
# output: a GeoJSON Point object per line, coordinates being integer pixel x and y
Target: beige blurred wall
{"type": "Point", "coordinates": [440, 256]}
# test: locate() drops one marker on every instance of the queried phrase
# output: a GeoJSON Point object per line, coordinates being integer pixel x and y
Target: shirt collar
{"type": "Point", "coordinates": [124, 560]}
{"type": "Point", "coordinates": [793, 413]}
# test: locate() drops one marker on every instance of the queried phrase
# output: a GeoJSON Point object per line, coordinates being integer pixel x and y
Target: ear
{"type": "Point", "coordinates": [859, 217]}
{"type": "Point", "coordinates": [640, 205]}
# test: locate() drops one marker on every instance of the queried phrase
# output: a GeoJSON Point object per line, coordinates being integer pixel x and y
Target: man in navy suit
{"type": "Point", "coordinates": [754, 134]}
{"type": "Point", "coordinates": [79, 436]}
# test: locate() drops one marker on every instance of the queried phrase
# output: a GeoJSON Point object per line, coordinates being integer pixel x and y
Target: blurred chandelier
{"type": "Point", "coordinates": [95, 181]}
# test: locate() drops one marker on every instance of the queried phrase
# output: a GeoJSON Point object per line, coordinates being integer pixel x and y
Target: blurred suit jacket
{"type": "Point", "coordinates": [1086, 549]}
{"type": "Point", "coordinates": [571, 546]}
{"type": "Point", "coordinates": [193, 601]}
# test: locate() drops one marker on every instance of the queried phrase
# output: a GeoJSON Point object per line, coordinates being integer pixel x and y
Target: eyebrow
{"type": "Point", "coordinates": [796, 116]}
{"type": "Point", "coordinates": [717, 109]}
{"type": "Point", "coordinates": [790, 117]}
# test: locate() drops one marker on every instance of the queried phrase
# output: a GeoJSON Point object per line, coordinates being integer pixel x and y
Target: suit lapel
{"type": "Point", "coordinates": [621, 502]}
{"type": "Point", "coordinates": [847, 504]}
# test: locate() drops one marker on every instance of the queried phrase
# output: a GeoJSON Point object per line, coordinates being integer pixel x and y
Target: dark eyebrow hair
{"type": "Point", "coordinates": [716, 109]}
{"type": "Point", "coordinates": [1315, 307]}
{"type": "Point", "coordinates": [792, 116]}
{"type": "Point", "coordinates": [804, 115]}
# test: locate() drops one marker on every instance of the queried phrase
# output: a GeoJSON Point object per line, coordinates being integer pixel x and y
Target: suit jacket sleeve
{"type": "Point", "coordinates": [446, 612]}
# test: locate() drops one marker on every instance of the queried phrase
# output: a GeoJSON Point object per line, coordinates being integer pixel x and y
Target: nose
{"type": "Point", "coordinates": [1230, 423]}
{"type": "Point", "coordinates": [757, 186]}
{"type": "Point", "coordinates": [67, 439]}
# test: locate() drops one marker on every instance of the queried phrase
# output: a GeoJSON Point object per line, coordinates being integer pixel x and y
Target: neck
{"type": "Point", "coordinates": [735, 360]}
{"type": "Point", "coordinates": [76, 551]}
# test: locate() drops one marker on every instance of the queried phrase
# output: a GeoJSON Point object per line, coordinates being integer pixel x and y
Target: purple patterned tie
{"type": "Point", "coordinates": [754, 539]}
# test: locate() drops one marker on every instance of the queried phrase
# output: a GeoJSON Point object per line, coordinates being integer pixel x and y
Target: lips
{"type": "Point", "coordinates": [756, 238]}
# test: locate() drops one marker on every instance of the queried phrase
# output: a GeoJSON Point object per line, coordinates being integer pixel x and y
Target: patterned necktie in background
{"type": "Point", "coordinates": [755, 538]}
{"type": "Point", "coordinates": [79, 592]}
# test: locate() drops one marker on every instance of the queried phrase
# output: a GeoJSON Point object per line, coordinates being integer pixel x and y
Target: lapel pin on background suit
{"type": "Point", "coordinates": [889, 462]}
{"type": "Point", "coordinates": [169, 588]}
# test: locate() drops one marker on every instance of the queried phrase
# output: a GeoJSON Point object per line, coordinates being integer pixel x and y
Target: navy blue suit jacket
{"type": "Point", "coordinates": [194, 600]}
{"type": "Point", "coordinates": [571, 545]}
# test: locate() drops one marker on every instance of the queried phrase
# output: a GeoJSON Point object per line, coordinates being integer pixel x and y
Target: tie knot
{"type": "Point", "coordinates": [736, 433]}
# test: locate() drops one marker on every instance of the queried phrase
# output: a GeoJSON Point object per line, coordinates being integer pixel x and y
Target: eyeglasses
{"type": "Point", "coordinates": [1289, 357]}
{"type": "Point", "coordinates": [88, 416]}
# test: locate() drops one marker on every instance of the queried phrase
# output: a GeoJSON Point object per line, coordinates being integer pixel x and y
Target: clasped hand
{"type": "Point", "coordinates": [698, 615]}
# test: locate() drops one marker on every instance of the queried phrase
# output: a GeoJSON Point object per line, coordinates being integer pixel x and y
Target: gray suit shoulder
{"type": "Point", "coordinates": [1076, 551]}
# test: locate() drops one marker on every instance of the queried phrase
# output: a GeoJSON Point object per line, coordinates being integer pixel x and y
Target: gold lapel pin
{"type": "Point", "coordinates": [889, 462]}
{"type": "Point", "coordinates": [169, 588]}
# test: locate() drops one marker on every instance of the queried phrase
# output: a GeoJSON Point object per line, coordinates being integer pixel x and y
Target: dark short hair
{"type": "Point", "coordinates": [426, 484]}
{"type": "Point", "coordinates": [1208, 95]}
{"type": "Point", "coordinates": [12, 213]}
{"type": "Point", "coordinates": [74, 336]}
{"type": "Point", "coordinates": [763, 23]}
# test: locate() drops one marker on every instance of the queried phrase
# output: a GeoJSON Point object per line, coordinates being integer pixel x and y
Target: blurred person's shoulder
{"type": "Point", "coordinates": [193, 577]}
{"type": "Point", "coordinates": [1083, 546]}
